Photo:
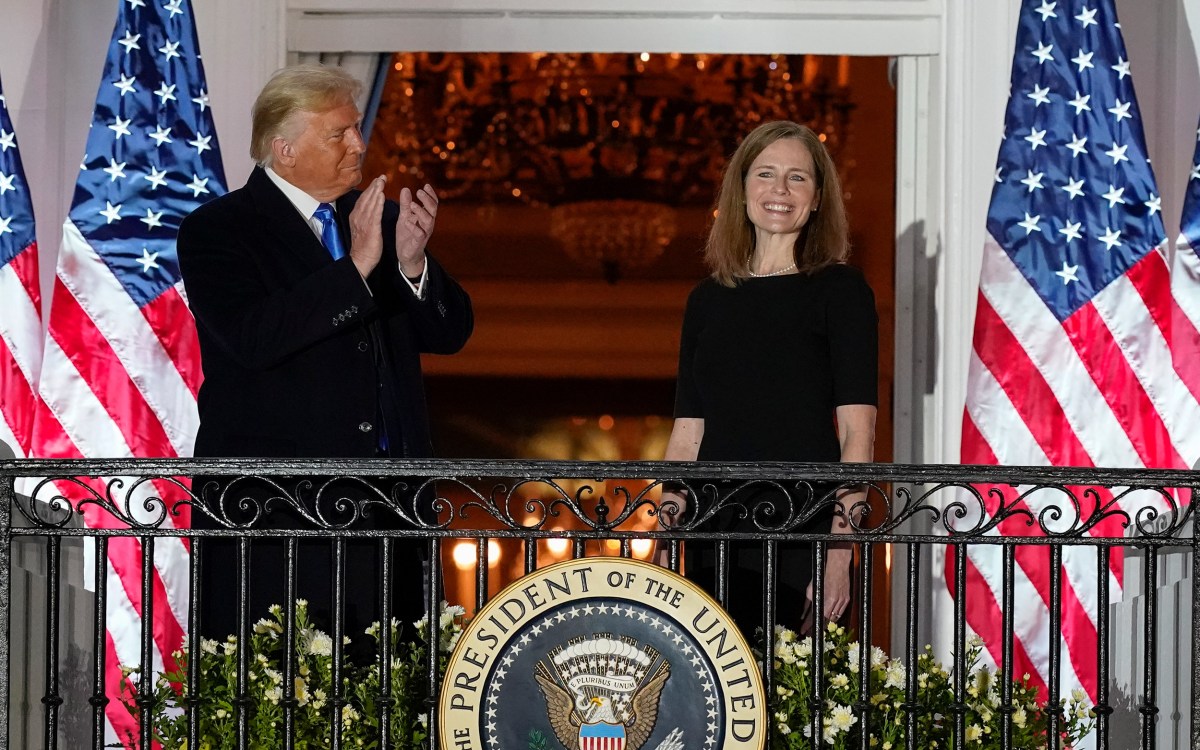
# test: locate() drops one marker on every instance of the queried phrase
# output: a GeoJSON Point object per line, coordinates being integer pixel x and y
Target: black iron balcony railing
{"type": "Point", "coordinates": [919, 511]}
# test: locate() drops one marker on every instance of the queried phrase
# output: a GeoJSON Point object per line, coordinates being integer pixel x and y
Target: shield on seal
{"type": "Point", "coordinates": [601, 736]}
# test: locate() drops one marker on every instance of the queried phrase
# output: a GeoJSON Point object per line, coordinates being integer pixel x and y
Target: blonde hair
{"type": "Point", "coordinates": [824, 239]}
{"type": "Point", "coordinates": [292, 90]}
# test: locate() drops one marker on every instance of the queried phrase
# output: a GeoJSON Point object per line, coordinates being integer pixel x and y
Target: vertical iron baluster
{"type": "Point", "coordinates": [99, 697]}
{"type": "Point", "coordinates": [626, 548]}
{"type": "Point", "coordinates": [53, 700]}
{"type": "Point", "coordinates": [289, 644]}
{"type": "Point", "coordinates": [433, 604]}
{"type": "Point", "coordinates": [864, 643]}
{"type": "Point", "coordinates": [770, 571]}
{"type": "Point", "coordinates": [1006, 662]}
{"type": "Point", "coordinates": [673, 556]}
{"type": "Point", "coordinates": [1149, 707]}
{"type": "Point", "coordinates": [912, 617]}
{"type": "Point", "coordinates": [8, 497]}
{"type": "Point", "coordinates": [1103, 555]}
{"type": "Point", "coordinates": [385, 643]}
{"type": "Point", "coordinates": [818, 620]}
{"type": "Point", "coordinates": [531, 555]}
{"type": "Point", "coordinates": [339, 637]}
{"type": "Point", "coordinates": [1195, 718]}
{"type": "Point", "coordinates": [146, 684]}
{"type": "Point", "coordinates": [722, 572]}
{"type": "Point", "coordinates": [960, 646]}
{"type": "Point", "coordinates": [242, 700]}
{"type": "Point", "coordinates": [1054, 689]}
{"type": "Point", "coordinates": [481, 573]}
{"type": "Point", "coordinates": [195, 642]}
{"type": "Point", "coordinates": [580, 548]}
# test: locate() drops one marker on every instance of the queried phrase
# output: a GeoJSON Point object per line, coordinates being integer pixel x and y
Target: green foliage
{"type": "Point", "coordinates": [791, 706]}
{"type": "Point", "coordinates": [313, 690]}
{"type": "Point", "coordinates": [537, 740]}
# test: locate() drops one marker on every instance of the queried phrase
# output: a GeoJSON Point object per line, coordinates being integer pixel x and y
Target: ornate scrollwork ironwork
{"type": "Point", "coordinates": [1010, 504]}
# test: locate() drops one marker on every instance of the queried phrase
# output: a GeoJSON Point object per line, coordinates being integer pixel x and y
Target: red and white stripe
{"type": "Point", "coordinates": [20, 348]}
{"type": "Point", "coordinates": [116, 382]}
{"type": "Point", "coordinates": [602, 743]}
{"type": "Point", "coordinates": [1110, 386]}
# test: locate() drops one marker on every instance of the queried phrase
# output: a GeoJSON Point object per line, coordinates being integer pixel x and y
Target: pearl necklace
{"type": "Point", "coordinates": [785, 269]}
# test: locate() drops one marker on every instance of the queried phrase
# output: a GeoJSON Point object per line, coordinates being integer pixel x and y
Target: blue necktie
{"type": "Point", "coordinates": [329, 231]}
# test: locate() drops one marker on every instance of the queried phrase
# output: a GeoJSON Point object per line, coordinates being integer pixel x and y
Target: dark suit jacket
{"type": "Point", "coordinates": [300, 358]}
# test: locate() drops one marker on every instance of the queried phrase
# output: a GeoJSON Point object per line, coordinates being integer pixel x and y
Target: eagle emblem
{"type": "Point", "coordinates": [602, 692]}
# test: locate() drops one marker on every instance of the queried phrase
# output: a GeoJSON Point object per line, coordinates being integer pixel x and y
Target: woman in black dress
{"type": "Point", "coordinates": [778, 358]}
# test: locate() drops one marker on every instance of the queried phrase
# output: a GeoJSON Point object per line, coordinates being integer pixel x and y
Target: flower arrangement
{"type": "Point", "coordinates": [792, 710]}
{"type": "Point", "coordinates": [313, 688]}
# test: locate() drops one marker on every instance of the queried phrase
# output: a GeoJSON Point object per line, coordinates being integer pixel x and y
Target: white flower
{"type": "Point", "coordinates": [842, 718]}
{"type": "Point", "coordinates": [349, 715]}
{"type": "Point", "coordinates": [878, 657]}
{"type": "Point", "coordinates": [839, 680]}
{"type": "Point", "coordinates": [274, 695]}
{"type": "Point", "coordinates": [803, 650]}
{"type": "Point", "coordinates": [320, 645]}
{"type": "Point", "coordinates": [423, 720]}
{"type": "Point", "coordinates": [895, 674]}
{"type": "Point", "coordinates": [447, 619]}
{"type": "Point", "coordinates": [1019, 717]}
{"type": "Point", "coordinates": [209, 646]}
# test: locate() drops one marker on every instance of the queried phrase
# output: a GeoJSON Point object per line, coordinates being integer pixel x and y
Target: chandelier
{"type": "Point", "coordinates": [609, 144]}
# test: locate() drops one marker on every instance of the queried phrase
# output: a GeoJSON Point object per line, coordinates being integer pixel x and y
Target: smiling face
{"type": "Point", "coordinates": [324, 157]}
{"type": "Point", "coordinates": [781, 189]}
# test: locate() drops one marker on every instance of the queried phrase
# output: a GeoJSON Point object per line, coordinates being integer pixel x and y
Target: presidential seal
{"type": "Point", "coordinates": [602, 653]}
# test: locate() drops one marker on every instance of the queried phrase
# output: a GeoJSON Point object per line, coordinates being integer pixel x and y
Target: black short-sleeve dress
{"type": "Point", "coordinates": [765, 364]}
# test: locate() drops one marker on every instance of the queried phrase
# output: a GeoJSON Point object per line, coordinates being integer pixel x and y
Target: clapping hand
{"type": "Point", "coordinates": [366, 236]}
{"type": "Point", "coordinates": [414, 228]}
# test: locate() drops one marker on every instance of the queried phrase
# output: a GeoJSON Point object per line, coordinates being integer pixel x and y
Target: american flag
{"type": "Point", "coordinates": [20, 296]}
{"type": "Point", "coordinates": [121, 366]}
{"type": "Point", "coordinates": [1185, 271]}
{"type": "Point", "coordinates": [1076, 356]}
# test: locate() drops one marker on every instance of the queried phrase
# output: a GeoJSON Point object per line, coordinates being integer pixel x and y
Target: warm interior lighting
{"type": "Point", "coordinates": [612, 546]}
{"type": "Point", "coordinates": [642, 547]}
{"type": "Point", "coordinates": [614, 144]}
{"type": "Point", "coordinates": [558, 546]}
{"type": "Point", "coordinates": [887, 558]}
{"type": "Point", "coordinates": [464, 555]}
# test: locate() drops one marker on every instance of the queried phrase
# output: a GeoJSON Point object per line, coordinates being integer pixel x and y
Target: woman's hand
{"type": "Point", "coordinates": [667, 517]}
{"type": "Point", "coordinates": [683, 445]}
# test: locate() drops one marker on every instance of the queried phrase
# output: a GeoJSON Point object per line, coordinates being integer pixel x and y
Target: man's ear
{"type": "Point", "coordinates": [284, 152]}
